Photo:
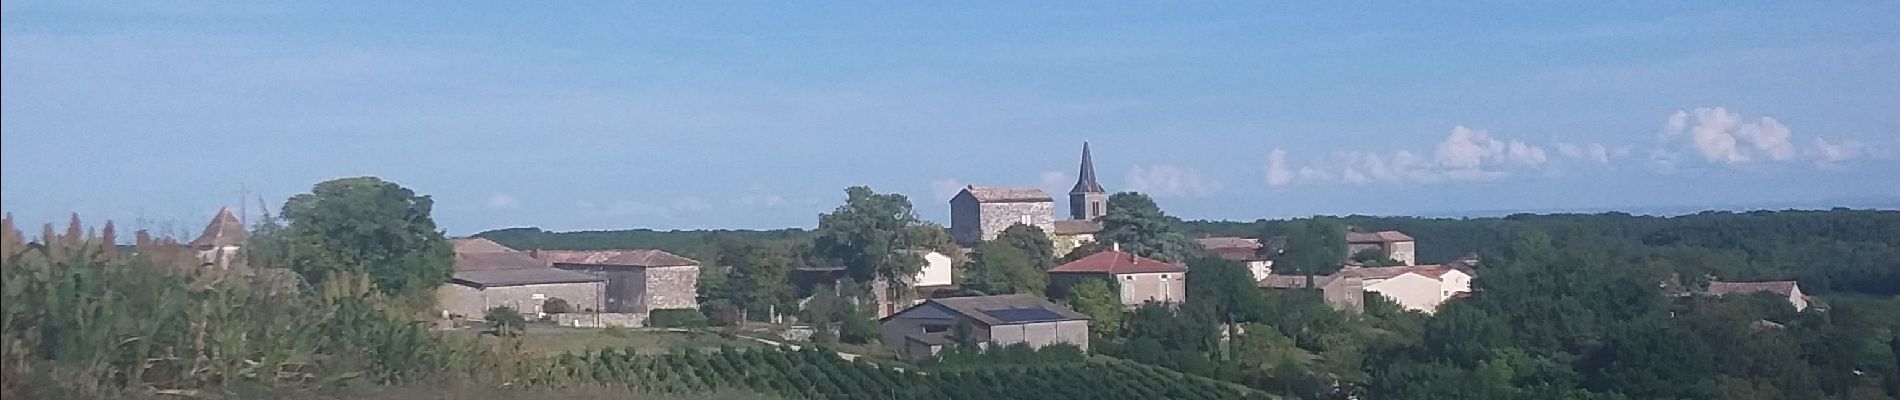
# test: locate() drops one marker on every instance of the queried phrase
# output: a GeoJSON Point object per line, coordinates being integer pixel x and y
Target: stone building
{"type": "Point", "coordinates": [489, 275]}
{"type": "Point", "coordinates": [1087, 200]}
{"type": "Point", "coordinates": [1394, 245]}
{"type": "Point", "coordinates": [219, 244]}
{"type": "Point", "coordinates": [1137, 279]}
{"type": "Point", "coordinates": [638, 281]}
{"type": "Point", "coordinates": [980, 213]}
{"type": "Point", "coordinates": [1784, 289]}
{"type": "Point", "coordinates": [1247, 251]}
{"type": "Point", "coordinates": [1343, 293]}
{"type": "Point", "coordinates": [921, 331]}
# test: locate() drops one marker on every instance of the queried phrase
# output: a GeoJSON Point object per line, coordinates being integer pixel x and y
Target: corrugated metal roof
{"type": "Point", "coordinates": [985, 308]}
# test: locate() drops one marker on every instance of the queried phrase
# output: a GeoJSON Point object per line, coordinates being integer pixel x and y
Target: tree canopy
{"type": "Point", "coordinates": [872, 235]}
{"type": "Point", "coordinates": [367, 226]}
{"type": "Point", "coordinates": [1139, 226]}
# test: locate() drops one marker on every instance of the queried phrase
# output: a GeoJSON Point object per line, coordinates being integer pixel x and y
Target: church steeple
{"type": "Point", "coordinates": [1085, 180]}
{"type": "Point", "coordinates": [1087, 201]}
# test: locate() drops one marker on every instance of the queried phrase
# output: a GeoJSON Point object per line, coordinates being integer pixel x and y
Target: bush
{"type": "Point", "coordinates": [556, 305]}
{"type": "Point", "coordinates": [507, 321]}
{"type": "Point", "coordinates": [676, 318]}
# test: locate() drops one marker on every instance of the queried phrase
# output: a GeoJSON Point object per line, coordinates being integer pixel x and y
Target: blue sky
{"type": "Point", "coordinates": [757, 115]}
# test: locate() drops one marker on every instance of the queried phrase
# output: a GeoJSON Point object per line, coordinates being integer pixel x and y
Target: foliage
{"type": "Point", "coordinates": [676, 318]}
{"type": "Point", "coordinates": [756, 278]}
{"type": "Point", "coordinates": [506, 320]}
{"type": "Point", "coordinates": [556, 305]}
{"type": "Point", "coordinates": [1313, 246]}
{"type": "Point", "coordinates": [872, 235]}
{"type": "Point", "coordinates": [1098, 300]}
{"type": "Point", "coordinates": [367, 226]}
{"type": "Point", "coordinates": [1005, 266]}
{"type": "Point", "coordinates": [1135, 223]}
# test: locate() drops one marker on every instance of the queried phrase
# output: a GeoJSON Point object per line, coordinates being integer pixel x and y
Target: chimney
{"type": "Point", "coordinates": [1115, 247]}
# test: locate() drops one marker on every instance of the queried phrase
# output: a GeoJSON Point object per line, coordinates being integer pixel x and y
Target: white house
{"type": "Point", "coordinates": [1421, 288]}
{"type": "Point", "coordinates": [937, 270]}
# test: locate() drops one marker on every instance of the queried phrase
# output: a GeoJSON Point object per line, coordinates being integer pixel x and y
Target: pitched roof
{"type": "Point", "coordinates": [632, 258]}
{"type": "Point", "coordinates": [224, 230]}
{"type": "Point", "coordinates": [1428, 271]}
{"type": "Point", "coordinates": [1008, 309]}
{"type": "Point", "coordinates": [518, 277]}
{"type": "Point", "coordinates": [478, 245]}
{"type": "Point", "coordinates": [1116, 262]}
{"type": "Point", "coordinates": [1222, 242]}
{"type": "Point", "coordinates": [1784, 288]}
{"type": "Point", "coordinates": [495, 261]}
{"type": "Point", "coordinates": [1381, 236]}
{"type": "Point", "coordinates": [1085, 179]}
{"type": "Point", "coordinates": [1296, 281]}
{"type": "Point", "coordinates": [984, 194]}
{"type": "Point", "coordinates": [1076, 227]}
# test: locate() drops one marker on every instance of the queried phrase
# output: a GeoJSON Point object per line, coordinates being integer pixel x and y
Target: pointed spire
{"type": "Point", "coordinates": [1085, 180]}
{"type": "Point", "coordinates": [224, 230]}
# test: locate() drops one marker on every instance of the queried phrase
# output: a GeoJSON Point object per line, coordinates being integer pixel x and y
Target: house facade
{"type": "Point", "coordinates": [1246, 251]}
{"type": "Point", "coordinates": [1394, 245]}
{"type": "Point", "coordinates": [1136, 279]}
{"type": "Point", "coordinates": [638, 281]}
{"type": "Point", "coordinates": [1342, 293]}
{"type": "Point", "coordinates": [923, 330]}
{"type": "Point", "coordinates": [1419, 288]}
{"type": "Point", "coordinates": [1785, 289]}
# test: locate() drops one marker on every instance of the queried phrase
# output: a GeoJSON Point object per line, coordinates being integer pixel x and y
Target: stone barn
{"type": "Point", "coordinates": [980, 213]}
{"type": "Point", "coordinates": [919, 332]}
{"type": "Point", "coordinates": [638, 281]}
{"type": "Point", "coordinates": [512, 279]}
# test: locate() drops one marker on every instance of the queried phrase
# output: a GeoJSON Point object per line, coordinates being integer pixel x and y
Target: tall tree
{"type": "Point", "coordinates": [75, 234]}
{"type": "Point", "coordinates": [1097, 299]}
{"type": "Point", "coordinates": [1313, 246]}
{"type": "Point", "coordinates": [1033, 242]}
{"type": "Point", "coordinates": [11, 240]}
{"type": "Point", "coordinates": [1136, 223]}
{"type": "Point", "coordinates": [369, 226]}
{"type": "Point", "coordinates": [872, 235]}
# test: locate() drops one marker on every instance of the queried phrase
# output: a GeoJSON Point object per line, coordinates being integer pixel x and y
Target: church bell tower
{"type": "Point", "coordinates": [1087, 201]}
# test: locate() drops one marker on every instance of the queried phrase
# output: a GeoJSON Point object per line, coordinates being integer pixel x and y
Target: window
{"type": "Point", "coordinates": [1025, 220]}
{"type": "Point", "coordinates": [1095, 208]}
{"type": "Point", "coordinates": [935, 328]}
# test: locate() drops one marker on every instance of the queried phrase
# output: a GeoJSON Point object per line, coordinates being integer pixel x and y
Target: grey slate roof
{"type": "Point", "coordinates": [519, 277]}
{"type": "Point", "coordinates": [981, 308]}
{"type": "Point", "coordinates": [1076, 227]}
{"type": "Point", "coordinates": [496, 261]}
{"type": "Point", "coordinates": [224, 230]}
{"type": "Point", "coordinates": [1085, 179]}
{"type": "Point", "coordinates": [984, 194]}
{"type": "Point", "coordinates": [1784, 288]}
{"type": "Point", "coordinates": [478, 245]}
{"type": "Point", "coordinates": [631, 258]}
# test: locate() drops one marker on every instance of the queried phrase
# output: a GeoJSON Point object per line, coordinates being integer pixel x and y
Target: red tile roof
{"type": "Point", "coordinates": [224, 230]}
{"type": "Point", "coordinates": [1116, 262]}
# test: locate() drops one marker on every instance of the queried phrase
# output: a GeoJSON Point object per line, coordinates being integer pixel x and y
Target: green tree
{"type": "Point", "coordinates": [368, 226]}
{"type": "Point", "coordinates": [996, 267]}
{"type": "Point", "coordinates": [1033, 242]}
{"type": "Point", "coordinates": [757, 279]}
{"type": "Point", "coordinates": [506, 321]}
{"type": "Point", "coordinates": [1313, 247]}
{"type": "Point", "coordinates": [1136, 223]}
{"type": "Point", "coordinates": [872, 235]}
{"type": "Point", "coordinates": [1095, 298]}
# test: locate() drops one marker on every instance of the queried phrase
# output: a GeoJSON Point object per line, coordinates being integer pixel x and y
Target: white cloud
{"type": "Point", "coordinates": [1163, 180]}
{"type": "Point", "coordinates": [761, 200]}
{"type": "Point", "coordinates": [1277, 172]}
{"type": "Point", "coordinates": [1055, 182]}
{"type": "Point", "coordinates": [945, 188]}
{"type": "Point", "coordinates": [501, 201]}
{"type": "Point", "coordinates": [1593, 152]}
{"type": "Point", "coordinates": [1467, 149]}
{"type": "Point", "coordinates": [1723, 136]}
{"type": "Point", "coordinates": [1827, 152]}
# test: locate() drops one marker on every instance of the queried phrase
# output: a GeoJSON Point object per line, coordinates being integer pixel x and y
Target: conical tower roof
{"type": "Point", "coordinates": [1085, 180]}
{"type": "Point", "coordinates": [224, 230]}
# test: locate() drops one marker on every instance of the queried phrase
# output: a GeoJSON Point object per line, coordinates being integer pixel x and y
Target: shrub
{"type": "Point", "coordinates": [507, 321]}
{"type": "Point", "coordinates": [556, 305]}
{"type": "Point", "coordinates": [676, 318]}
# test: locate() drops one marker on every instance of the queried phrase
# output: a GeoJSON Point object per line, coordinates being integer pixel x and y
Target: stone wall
{"type": "Point", "coordinates": [472, 303]}
{"type": "Point", "coordinates": [999, 216]}
{"type": "Point", "coordinates": [600, 320]}
{"type": "Point", "coordinates": [672, 287]}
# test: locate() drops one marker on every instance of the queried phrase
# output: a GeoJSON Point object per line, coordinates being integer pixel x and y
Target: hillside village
{"type": "Point", "coordinates": [625, 287]}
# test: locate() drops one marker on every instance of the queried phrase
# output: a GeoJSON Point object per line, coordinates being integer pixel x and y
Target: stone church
{"type": "Point", "coordinates": [979, 213]}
